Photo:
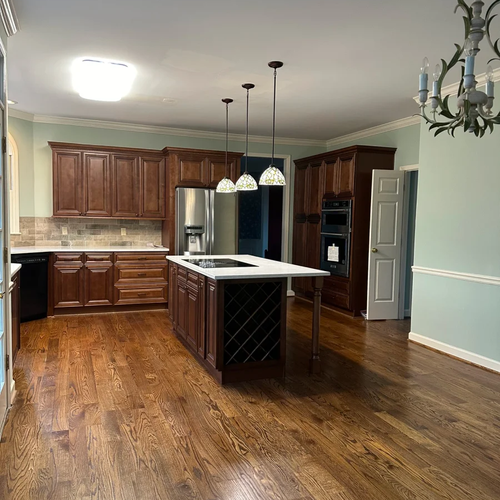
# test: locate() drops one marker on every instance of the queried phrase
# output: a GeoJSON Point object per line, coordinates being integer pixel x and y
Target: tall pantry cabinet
{"type": "Point", "coordinates": [344, 174]}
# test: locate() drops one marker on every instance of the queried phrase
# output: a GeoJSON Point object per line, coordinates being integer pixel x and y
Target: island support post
{"type": "Point", "coordinates": [315, 362]}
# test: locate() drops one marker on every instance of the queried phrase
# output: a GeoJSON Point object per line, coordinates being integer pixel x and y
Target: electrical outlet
{"type": "Point", "coordinates": [124, 231]}
{"type": "Point", "coordinates": [64, 230]}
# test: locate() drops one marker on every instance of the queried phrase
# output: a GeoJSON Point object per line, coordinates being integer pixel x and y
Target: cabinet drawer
{"type": "Point", "coordinates": [132, 273]}
{"type": "Point", "coordinates": [336, 299]}
{"type": "Point", "coordinates": [147, 294]}
{"type": "Point", "coordinates": [98, 257]}
{"type": "Point", "coordinates": [68, 257]}
{"type": "Point", "coordinates": [140, 257]}
{"type": "Point", "coordinates": [337, 285]}
{"type": "Point", "coordinates": [192, 280]}
{"type": "Point", "coordinates": [182, 272]}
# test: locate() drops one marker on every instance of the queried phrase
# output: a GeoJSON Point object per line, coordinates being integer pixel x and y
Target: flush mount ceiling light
{"type": "Point", "coordinates": [226, 185]}
{"type": "Point", "coordinates": [102, 80]}
{"type": "Point", "coordinates": [474, 112]}
{"type": "Point", "coordinates": [272, 176]}
{"type": "Point", "coordinates": [246, 182]}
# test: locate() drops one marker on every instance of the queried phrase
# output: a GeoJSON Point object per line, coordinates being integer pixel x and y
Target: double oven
{"type": "Point", "coordinates": [336, 218]}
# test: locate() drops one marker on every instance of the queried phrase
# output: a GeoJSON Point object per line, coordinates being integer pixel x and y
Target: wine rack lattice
{"type": "Point", "coordinates": [252, 322]}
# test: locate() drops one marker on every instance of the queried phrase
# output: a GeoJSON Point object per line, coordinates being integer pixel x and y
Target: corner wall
{"type": "Point", "coordinates": [458, 230]}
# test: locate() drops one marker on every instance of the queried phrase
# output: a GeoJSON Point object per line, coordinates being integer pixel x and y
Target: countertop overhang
{"type": "Point", "coordinates": [265, 268]}
{"type": "Point", "coordinates": [52, 249]}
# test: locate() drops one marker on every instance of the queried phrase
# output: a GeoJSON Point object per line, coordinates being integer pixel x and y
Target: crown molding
{"type": "Point", "coordinates": [379, 129]}
{"type": "Point", "coordinates": [156, 129]}
{"type": "Point", "coordinates": [9, 17]}
{"type": "Point", "coordinates": [453, 88]}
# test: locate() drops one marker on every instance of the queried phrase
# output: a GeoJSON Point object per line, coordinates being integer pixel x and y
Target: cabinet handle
{"type": "Point", "coordinates": [141, 274]}
{"type": "Point", "coordinates": [141, 258]}
{"type": "Point", "coordinates": [141, 294]}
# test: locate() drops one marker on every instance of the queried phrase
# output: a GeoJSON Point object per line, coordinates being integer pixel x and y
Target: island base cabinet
{"type": "Point", "coordinates": [234, 328]}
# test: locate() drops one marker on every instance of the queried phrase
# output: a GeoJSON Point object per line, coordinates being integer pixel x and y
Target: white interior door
{"type": "Point", "coordinates": [4, 277]}
{"type": "Point", "coordinates": [384, 262]}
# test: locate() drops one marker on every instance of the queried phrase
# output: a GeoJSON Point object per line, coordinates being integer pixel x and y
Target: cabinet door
{"type": "Point", "coordinates": [126, 182]}
{"type": "Point", "coordinates": [172, 286]}
{"type": "Point", "coordinates": [97, 175]}
{"type": "Point", "coordinates": [315, 189]}
{"type": "Point", "coordinates": [153, 188]}
{"type": "Point", "coordinates": [201, 337]}
{"type": "Point", "coordinates": [193, 317]}
{"type": "Point", "coordinates": [192, 171]}
{"type": "Point", "coordinates": [211, 322]}
{"type": "Point", "coordinates": [345, 177]}
{"type": "Point", "coordinates": [16, 317]}
{"type": "Point", "coordinates": [68, 285]}
{"type": "Point", "coordinates": [98, 284]}
{"type": "Point", "coordinates": [67, 183]}
{"type": "Point", "coordinates": [299, 200]}
{"type": "Point", "coordinates": [217, 171]}
{"type": "Point", "coordinates": [331, 174]}
{"type": "Point", "coordinates": [181, 308]}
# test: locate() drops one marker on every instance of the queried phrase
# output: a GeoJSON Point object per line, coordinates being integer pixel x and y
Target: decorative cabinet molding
{"type": "Point", "coordinates": [343, 174]}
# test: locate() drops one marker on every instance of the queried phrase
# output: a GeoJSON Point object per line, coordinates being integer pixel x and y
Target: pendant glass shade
{"type": "Point", "coordinates": [272, 176]}
{"type": "Point", "coordinates": [246, 183]}
{"type": "Point", "coordinates": [226, 185]}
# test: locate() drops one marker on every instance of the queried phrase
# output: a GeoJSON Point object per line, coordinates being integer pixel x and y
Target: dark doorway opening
{"type": "Point", "coordinates": [261, 213]}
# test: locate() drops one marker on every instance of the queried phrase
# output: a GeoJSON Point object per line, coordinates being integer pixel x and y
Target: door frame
{"type": "Point", "coordinates": [285, 229]}
{"type": "Point", "coordinates": [404, 235]}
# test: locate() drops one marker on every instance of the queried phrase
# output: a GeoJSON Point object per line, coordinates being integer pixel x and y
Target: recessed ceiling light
{"type": "Point", "coordinates": [11, 102]}
{"type": "Point", "coordinates": [102, 80]}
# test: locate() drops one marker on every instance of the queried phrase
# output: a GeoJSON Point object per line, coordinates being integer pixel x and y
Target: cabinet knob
{"type": "Point", "coordinates": [374, 250]}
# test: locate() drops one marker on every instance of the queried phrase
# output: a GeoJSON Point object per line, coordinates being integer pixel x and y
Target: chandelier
{"type": "Point", "coordinates": [474, 112]}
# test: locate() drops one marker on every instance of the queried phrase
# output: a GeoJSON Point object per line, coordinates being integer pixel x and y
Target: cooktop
{"type": "Point", "coordinates": [218, 263]}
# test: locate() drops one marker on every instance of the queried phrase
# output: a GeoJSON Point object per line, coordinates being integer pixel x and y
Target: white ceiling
{"type": "Point", "coordinates": [349, 65]}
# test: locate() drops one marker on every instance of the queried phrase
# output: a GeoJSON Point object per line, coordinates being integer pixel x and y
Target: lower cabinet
{"type": "Point", "coordinates": [109, 279]}
{"type": "Point", "coordinates": [15, 299]}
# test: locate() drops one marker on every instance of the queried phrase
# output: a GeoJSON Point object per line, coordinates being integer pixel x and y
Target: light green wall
{"type": "Point", "coordinates": [406, 140]}
{"type": "Point", "coordinates": [458, 229]}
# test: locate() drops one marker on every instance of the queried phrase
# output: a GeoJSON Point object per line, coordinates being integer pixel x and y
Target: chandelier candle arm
{"type": "Point", "coordinates": [474, 112]}
{"type": "Point", "coordinates": [226, 185]}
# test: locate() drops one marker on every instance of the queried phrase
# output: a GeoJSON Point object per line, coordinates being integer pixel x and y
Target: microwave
{"type": "Point", "coordinates": [336, 216]}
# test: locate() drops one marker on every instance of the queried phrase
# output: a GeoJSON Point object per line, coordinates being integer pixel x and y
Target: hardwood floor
{"type": "Point", "coordinates": [113, 407]}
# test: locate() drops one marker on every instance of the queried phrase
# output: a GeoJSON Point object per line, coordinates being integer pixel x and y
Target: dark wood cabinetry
{"type": "Point", "coordinates": [68, 280]}
{"type": "Point", "coordinates": [68, 183]}
{"type": "Point", "coordinates": [15, 298]}
{"type": "Point", "coordinates": [97, 279]}
{"type": "Point", "coordinates": [126, 184]}
{"type": "Point", "coordinates": [344, 174]}
{"type": "Point", "coordinates": [97, 184]}
{"type": "Point", "coordinates": [98, 181]}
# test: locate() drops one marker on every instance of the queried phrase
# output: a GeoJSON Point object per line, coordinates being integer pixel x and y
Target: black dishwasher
{"type": "Point", "coordinates": [34, 285]}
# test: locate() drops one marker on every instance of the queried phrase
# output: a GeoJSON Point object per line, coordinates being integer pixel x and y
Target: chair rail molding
{"type": "Point", "coordinates": [9, 17]}
{"type": "Point", "coordinates": [477, 278]}
{"type": "Point", "coordinates": [456, 352]}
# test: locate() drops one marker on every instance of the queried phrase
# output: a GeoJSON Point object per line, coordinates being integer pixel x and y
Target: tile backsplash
{"type": "Point", "coordinates": [48, 231]}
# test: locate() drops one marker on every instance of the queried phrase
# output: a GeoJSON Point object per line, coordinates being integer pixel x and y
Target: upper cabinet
{"type": "Point", "coordinates": [339, 175]}
{"type": "Point", "coordinates": [126, 186]}
{"type": "Point", "coordinates": [217, 171]}
{"type": "Point", "coordinates": [96, 181]}
{"type": "Point", "coordinates": [68, 183]}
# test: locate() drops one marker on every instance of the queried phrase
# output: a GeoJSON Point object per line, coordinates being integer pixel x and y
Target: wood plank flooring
{"type": "Point", "coordinates": [113, 407]}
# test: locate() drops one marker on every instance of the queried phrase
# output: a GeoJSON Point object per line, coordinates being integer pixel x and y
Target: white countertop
{"type": "Point", "coordinates": [14, 268]}
{"type": "Point", "coordinates": [33, 249]}
{"type": "Point", "coordinates": [266, 268]}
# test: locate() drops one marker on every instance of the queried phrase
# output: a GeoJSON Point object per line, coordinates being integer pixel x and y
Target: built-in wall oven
{"type": "Point", "coordinates": [336, 219]}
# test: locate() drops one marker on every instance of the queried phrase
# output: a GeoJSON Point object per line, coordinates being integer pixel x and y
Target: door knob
{"type": "Point", "coordinates": [374, 250]}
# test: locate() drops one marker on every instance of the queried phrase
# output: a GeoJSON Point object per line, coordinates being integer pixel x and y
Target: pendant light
{"type": "Point", "coordinates": [246, 182]}
{"type": "Point", "coordinates": [272, 176]}
{"type": "Point", "coordinates": [226, 185]}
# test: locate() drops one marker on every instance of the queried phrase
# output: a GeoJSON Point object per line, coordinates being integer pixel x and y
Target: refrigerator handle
{"type": "Point", "coordinates": [210, 209]}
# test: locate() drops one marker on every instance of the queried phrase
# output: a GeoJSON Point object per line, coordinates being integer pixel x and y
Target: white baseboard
{"type": "Point", "coordinates": [290, 293]}
{"type": "Point", "coordinates": [13, 395]}
{"type": "Point", "coordinates": [471, 357]}
{"type": "Point", "coordinates": [407, 313]}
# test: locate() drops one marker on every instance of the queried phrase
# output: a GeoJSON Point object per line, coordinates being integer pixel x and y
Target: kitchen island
{"type": "Point", "coordinates": [230, 312]}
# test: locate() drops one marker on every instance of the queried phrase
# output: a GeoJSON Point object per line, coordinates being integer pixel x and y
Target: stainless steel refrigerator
{"type": "Point", "coordinates": [206, 222]}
